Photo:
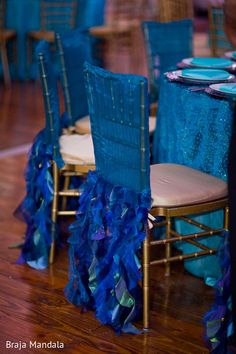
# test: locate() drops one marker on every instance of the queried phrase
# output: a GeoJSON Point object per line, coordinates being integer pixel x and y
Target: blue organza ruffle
{"type": "Point", "coordinates": [104, 245]}
{"type": "Point", "coordinates": [218, 321]}
{"type": "Point", "coordinates": [35, 209]}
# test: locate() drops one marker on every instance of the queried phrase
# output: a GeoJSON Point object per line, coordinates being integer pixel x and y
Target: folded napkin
{"type": "Point", "coordinates": [205, 74]}
{"type": "Point", "coordinates": [211, 62]}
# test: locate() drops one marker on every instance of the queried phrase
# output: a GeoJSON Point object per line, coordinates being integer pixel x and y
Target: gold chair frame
{"type": "Point", "coordinates": [172, 236]}
{"type": "Point", "coordinates": [66, 172]}
{"type": "Point", "coordinates": [45, 19]}
{"type": "Point", "coordinates": [172, 10]}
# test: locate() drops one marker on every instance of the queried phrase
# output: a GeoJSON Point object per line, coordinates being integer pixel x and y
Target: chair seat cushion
{"type": "Point", "coordinates": [152, 124]}
{"type": "Point", "coordinates": [82, 125]}
{"type": "Point", "coordinates": [77, 149]}
{"type": "Point", "coordinates": [177, 185]}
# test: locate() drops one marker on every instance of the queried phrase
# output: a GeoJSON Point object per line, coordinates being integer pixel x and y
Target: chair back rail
{"type": "Point", "coordinates": [50, 94]}
{"type": "Point", "coordinates": [58, 15]}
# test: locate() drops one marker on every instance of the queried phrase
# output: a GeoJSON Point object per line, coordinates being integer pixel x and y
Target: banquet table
{"type": "Point", "coordinates": [24, 16]}
{"type": "Point", "coordinates": [194, 129]}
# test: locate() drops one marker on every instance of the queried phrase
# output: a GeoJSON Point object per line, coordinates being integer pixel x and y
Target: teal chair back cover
{"type": "Point", "coordinates": [118, 107]}
{"type": "Point", "coordinates": [74, 48]}
{"type": "Point", "coordinates": [166, 45]}
{"type": "Point", "coordinates": [49, 86]}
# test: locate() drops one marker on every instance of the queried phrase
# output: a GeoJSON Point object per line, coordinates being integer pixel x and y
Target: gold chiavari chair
{"type": "Point", "coordinates": [172, 10]}
{"type": "Point", "coordinates": [121, 30]}
{"type": "Point", "coordinates": [121, 145]}
{"type": "Point", "coordinates": [76, 150]}
{"type": "Point", "coordinates": [55, 15]}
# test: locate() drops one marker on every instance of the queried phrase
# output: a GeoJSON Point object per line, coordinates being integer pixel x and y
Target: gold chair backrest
{"type": "Point", "coordinates": [173, 10]}
{"type": "Point", "coordinates": [56, 14]}
{"type": "Point", "coordinates": [128, 10]}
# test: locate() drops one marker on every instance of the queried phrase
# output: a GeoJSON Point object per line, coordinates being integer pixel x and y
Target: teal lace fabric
{"type": "Point", "coordinates": [194, 129]}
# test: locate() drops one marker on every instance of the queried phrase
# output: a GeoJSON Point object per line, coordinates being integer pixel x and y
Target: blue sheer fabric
{"type": "Point", "coordinates": [24, 16]}
{"type": "Point", "coordinates": [36, 206]}
{"type": "Point", "coordinates": [106, 237]}
{"type": "Point", "coordinates": [166, 44]}
{"type": "Point", "coordinates": [218, 321]}
{"type": "Point", "coordinates": [74, 48]}
{"type": "Point", "coordinates": [90, 13]}
{"type": "Point", "coordinates": [194, 129]}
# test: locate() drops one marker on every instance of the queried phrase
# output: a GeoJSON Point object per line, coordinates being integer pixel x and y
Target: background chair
{"type": "Point", "coordinates": [121, 33]}
{"type": "Point", "coordinates": [173, 10]}
{"type": "Point", "coordinates": [74, 48]}
{"type": "Point", "coordinates": [219, 43]}
{"type": "Point", "coordinates": [166, 45]}
{"type": "Point", "coordinates": [113, 213]}
{"type": "Point", "coordinates": [53, 156]}
{"type": "Point", "coordinates": [6, 35]}
{"type": "Point", "coordinates": [55, 15]}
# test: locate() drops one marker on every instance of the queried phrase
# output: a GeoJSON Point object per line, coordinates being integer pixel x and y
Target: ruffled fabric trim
{"type": "Point", "coordinates": [218, 321]}
{"type": "Point", "coordinates": [105, 242]}
{"type": "Point", "coordinates": [35, 209]}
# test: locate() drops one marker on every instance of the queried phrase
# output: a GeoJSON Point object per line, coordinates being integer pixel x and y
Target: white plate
{"type": "Point", "coordinates": [214, 65]}
{"type": "Point", "coordinates": [218, 88]}
{"type": "Point", "coordinates": [231, 55]}
{"type": "Point", "coordinates": [176, 76]}
{"type": "Point", "coordinates": [214, 75]}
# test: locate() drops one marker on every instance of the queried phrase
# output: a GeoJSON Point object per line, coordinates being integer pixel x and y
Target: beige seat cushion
{"type": "Point", "coordinates": [77, 149]}
{"type": "Point", "coordinates": [82, 126]}
{"type": "Point", "coordinates": [152, 124]}
{"type": "Point", "coordinates": [176, 185]}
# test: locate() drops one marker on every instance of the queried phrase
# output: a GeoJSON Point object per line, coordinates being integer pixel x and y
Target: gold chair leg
{"type": "Point", "coordinates": [66, 186]}
{"type": "Point", "coordinates": [146, 279]}
{"type": "Point", "coordinates": [6, 74]}
{"type": "Point", "coordinates": [167, 246]}
{"type": "Point", "coordinates": [54, 210]}
{"type": "Point", "coordinates": [226, 218]}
